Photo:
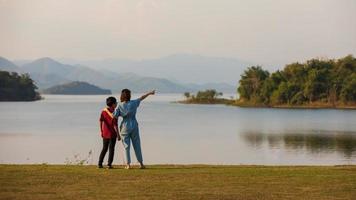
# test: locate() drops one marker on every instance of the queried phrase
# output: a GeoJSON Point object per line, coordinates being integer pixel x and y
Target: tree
{"type": "Point", "coordinates": [187, 95]}
{"type": "Point", "coordinates": [343, 69]}
{"type": "Point", "coordinates": [348, 91]}
{"type": "Point", "coordinates": [271, 84]}
{"type": "Point", "coordinates": [251, 83]}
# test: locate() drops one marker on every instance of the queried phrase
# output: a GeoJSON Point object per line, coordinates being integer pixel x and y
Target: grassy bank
{"type": "Point", "coordinates": [177, 182]}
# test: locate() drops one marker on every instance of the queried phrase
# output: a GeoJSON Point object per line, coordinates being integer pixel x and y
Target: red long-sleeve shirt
{"type": "Point", "coordinates": [108, 124]}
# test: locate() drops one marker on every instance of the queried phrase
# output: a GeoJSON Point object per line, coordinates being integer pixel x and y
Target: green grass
{"type": "Point", "coordinates": [177, 182]}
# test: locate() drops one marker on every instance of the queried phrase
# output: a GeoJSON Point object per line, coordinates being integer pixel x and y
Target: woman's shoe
{"type": "Point", "coordinates": [127, 167]}
{"type": "Point", "coordinates": [142, 166]}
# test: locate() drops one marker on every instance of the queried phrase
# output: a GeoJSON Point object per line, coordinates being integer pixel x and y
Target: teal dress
{"type": "Point", "coordinates": [129, 130]}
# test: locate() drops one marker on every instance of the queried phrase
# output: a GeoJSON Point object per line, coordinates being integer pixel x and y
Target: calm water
{"type": "Point", "coordinates": [65, 128]}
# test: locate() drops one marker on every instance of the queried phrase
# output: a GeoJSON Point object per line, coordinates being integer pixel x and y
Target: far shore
{"type": "Point", "coordinates": [230, 102]}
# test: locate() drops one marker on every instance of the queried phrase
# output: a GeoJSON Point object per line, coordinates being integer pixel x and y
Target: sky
{"type": "Point", "coordinates": [260, 31]}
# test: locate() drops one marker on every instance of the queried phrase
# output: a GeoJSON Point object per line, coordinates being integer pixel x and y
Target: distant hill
{"type": "Point", "coordinates": [6, 65]}
{"type": "Point", "coordinates": [48, 66]}
{"type": "Point", "coordinates": [48, 72]}
{"type": "Point", "coordinates": [76, 88]}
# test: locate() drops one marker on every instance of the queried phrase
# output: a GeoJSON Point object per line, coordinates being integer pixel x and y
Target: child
{"type": "Point", "coordinates": [109, 131]}
{"type": "Point", "coordinates": [129, 126]}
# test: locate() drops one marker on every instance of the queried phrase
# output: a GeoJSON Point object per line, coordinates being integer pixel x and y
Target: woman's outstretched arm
{"type": "Point", "coordinates": [148, 94]}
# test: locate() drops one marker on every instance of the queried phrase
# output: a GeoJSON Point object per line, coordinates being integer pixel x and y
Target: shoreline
{"type": "Point", "coordinates": [228, 102]}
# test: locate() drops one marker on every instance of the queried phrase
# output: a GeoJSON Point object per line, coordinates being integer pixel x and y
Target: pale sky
{"type": "Point", "coordinates": [260, 31]}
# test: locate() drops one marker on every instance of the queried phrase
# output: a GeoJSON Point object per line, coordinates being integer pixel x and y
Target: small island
{"type": "Point", "coordinates": [76, 88]}
{"type": "Point", "coordinates": [17, 87]}
{"type": "Point", "coordinates": [210, 96]}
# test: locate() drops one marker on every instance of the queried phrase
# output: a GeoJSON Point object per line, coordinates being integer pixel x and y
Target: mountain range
{"type": "Point", "coordinates": [181, 68]}
{"type": "Point", "coordinates": [117, 75]}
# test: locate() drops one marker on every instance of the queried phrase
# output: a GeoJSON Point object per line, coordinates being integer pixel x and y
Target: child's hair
{"type": "Point", "coordinates": [111, 101]}
{"type": "Point", "coordinates": [125, 95]}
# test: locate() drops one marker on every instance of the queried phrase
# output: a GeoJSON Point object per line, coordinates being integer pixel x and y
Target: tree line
{"type": "Point", "coordinates": [209, 94]}
{"type": "Point", "coordinates": [17, 87]}
{"type": "Point", "coordinates": [323, 81]}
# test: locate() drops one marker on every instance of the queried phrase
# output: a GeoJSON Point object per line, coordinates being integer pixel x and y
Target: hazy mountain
{"type": "Point", "coordinates": [6, 65]}
{"type": "Point", "coordinates": [48, 72]}
{"type": "Point", "coordinates": [183, 67]}
{"type": "Point", "coordinates": [76, 88]}
{"type": "Point", "coordinates": [48, 66]}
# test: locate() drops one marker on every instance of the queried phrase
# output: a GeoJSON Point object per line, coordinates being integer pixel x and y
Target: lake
{"type": "Point", "coordinates": [64, 129]}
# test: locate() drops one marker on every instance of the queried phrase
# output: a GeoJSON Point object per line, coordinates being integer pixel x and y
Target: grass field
{"type": "Point", "coordinates": [177, 182]}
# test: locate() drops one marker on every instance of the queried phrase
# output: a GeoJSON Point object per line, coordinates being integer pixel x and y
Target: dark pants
{"type": "Point", "coordinates": [107, 144]}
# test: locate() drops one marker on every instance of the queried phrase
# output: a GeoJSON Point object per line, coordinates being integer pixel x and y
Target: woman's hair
{"type": "Point", "coordinates": [110, 101]}
{"type": "Point", "coordinates": [125, 95]}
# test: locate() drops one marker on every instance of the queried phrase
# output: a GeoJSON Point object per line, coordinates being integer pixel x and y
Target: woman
{"type": "Point", "coordinates": [129, 130]}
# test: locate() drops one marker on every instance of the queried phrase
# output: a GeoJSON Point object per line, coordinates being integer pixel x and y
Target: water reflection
{"type": "Point", "coordinates": [312, 141]}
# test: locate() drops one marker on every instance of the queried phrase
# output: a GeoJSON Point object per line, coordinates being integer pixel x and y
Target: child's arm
{"type": "Point", "coordinates": [101, 125]}
{"type": "Point", "coordinates": [116, 128]}
{"type": "Point", "coordinates": [146, 95]}
{"type": "Point", "coordinates": [118, 134]}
